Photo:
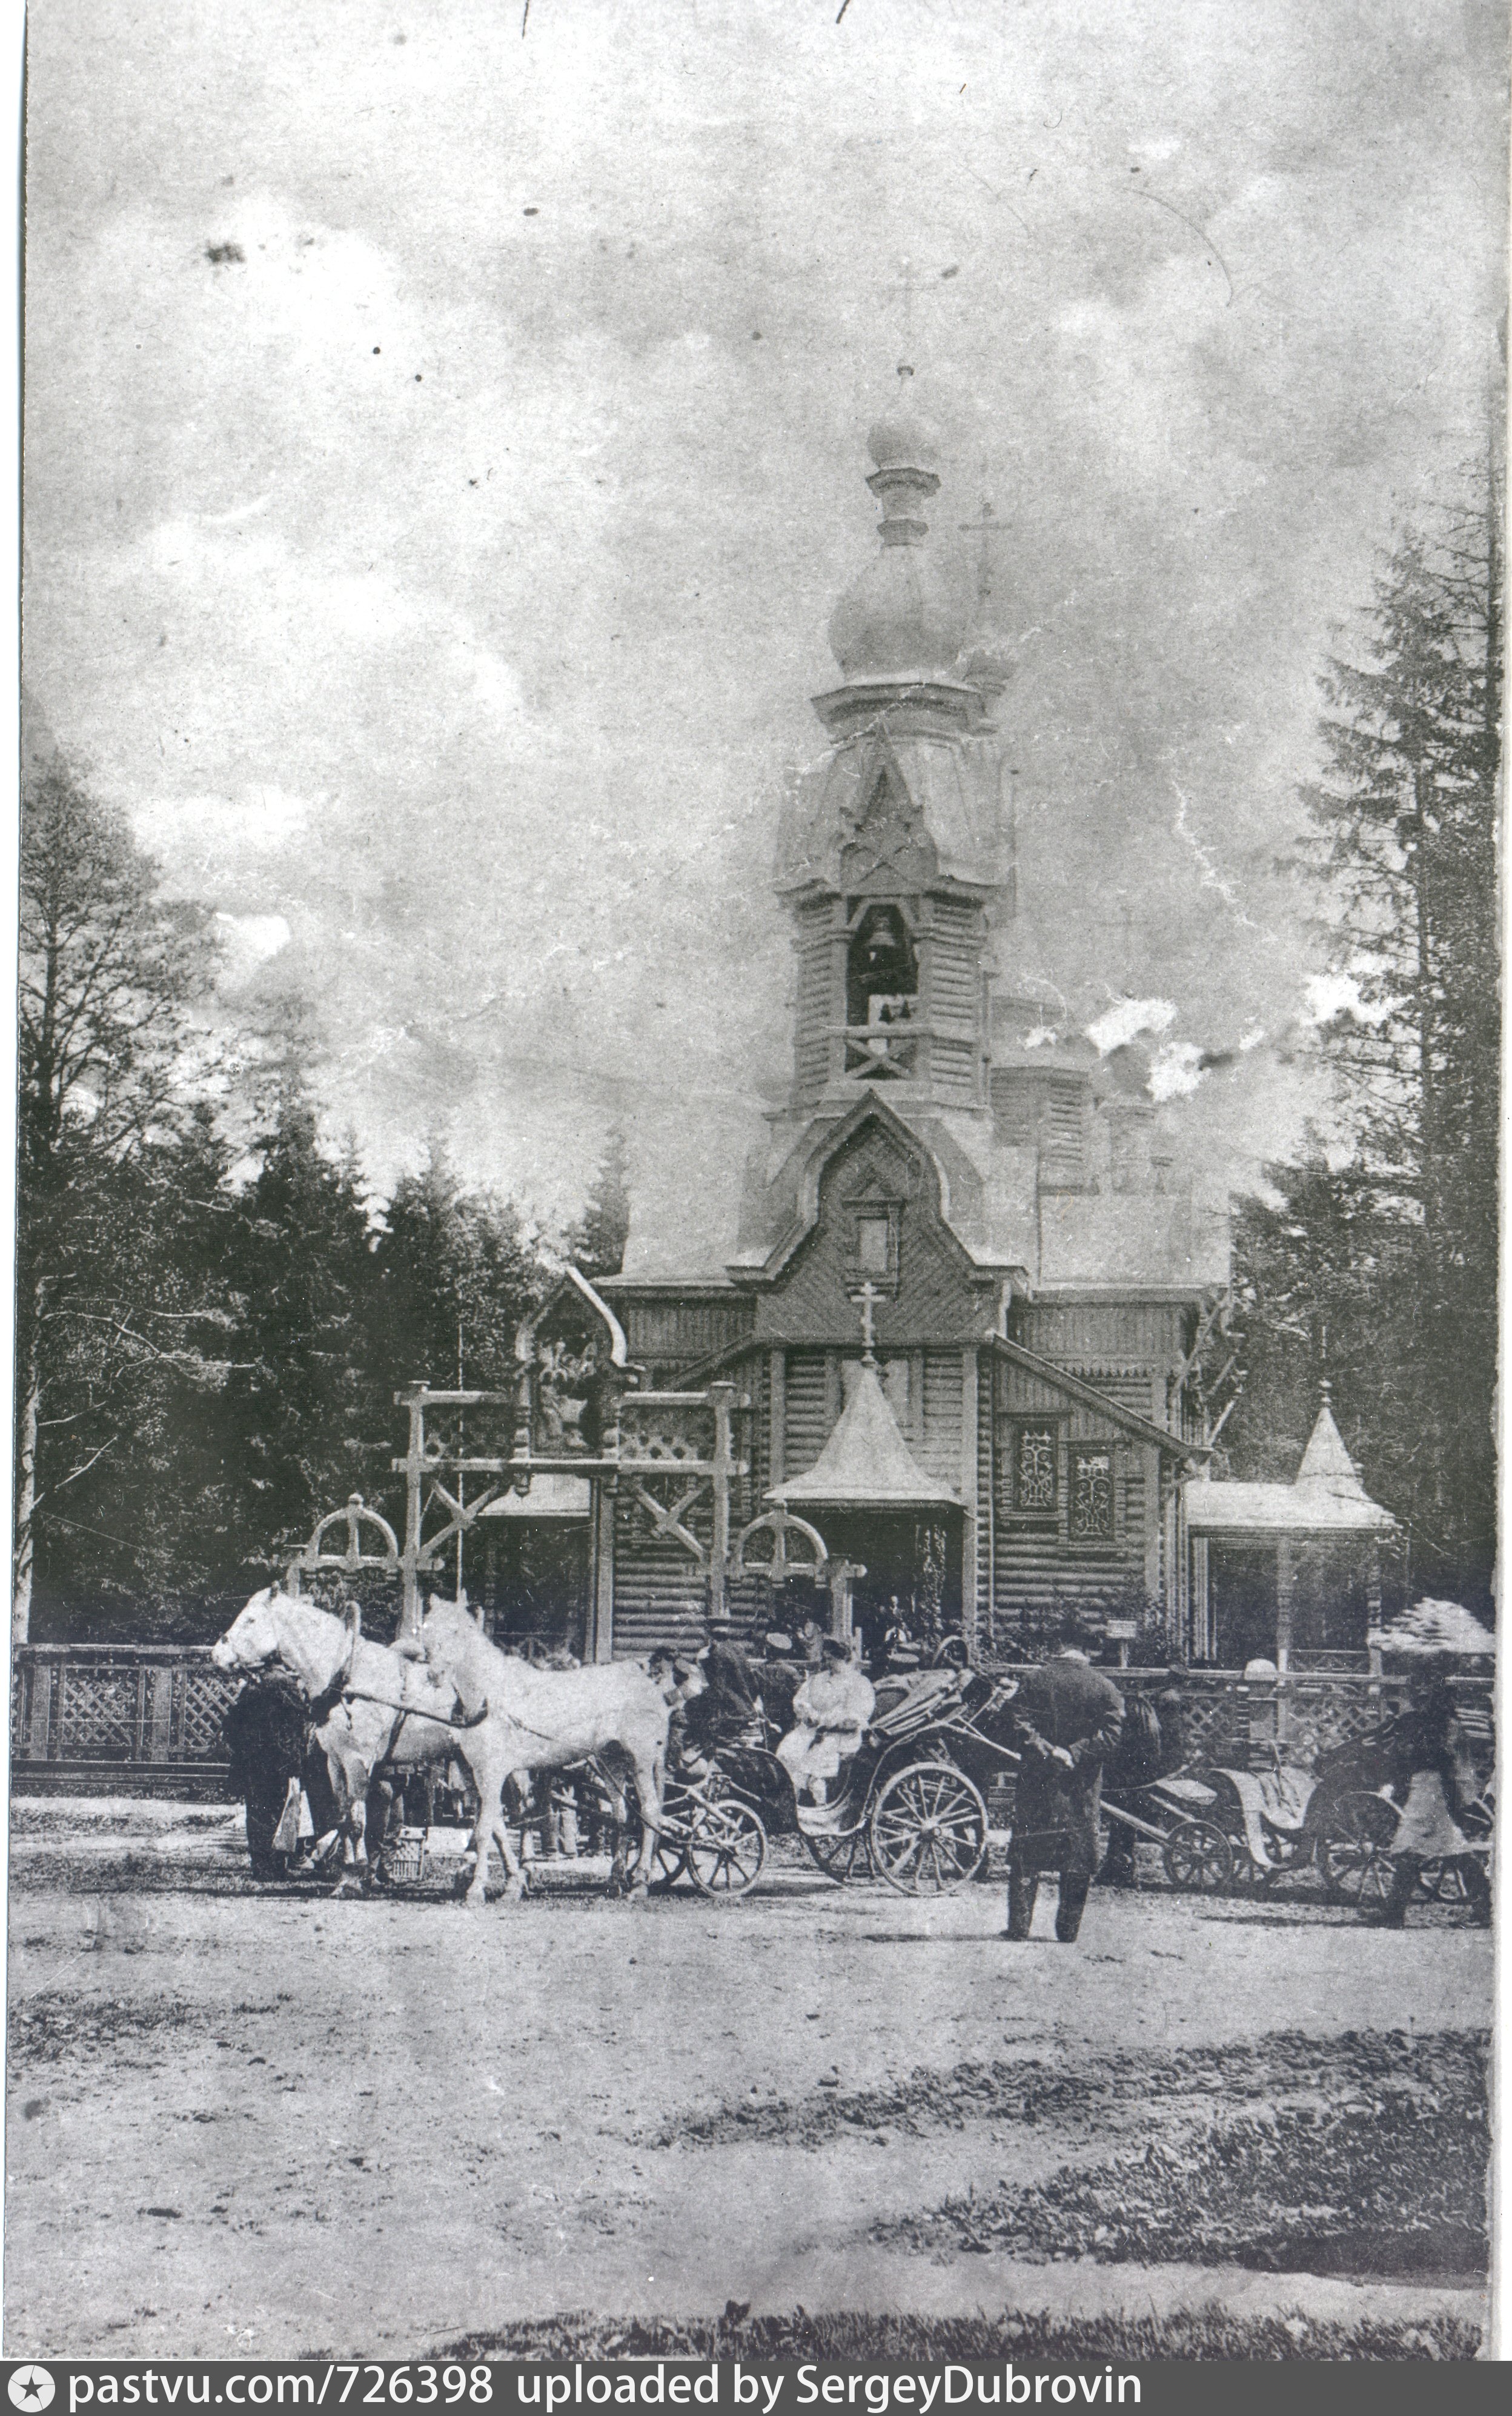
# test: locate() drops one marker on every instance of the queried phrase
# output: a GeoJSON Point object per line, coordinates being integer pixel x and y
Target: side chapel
{"type": "Point", "coordinates": [946, 1328]}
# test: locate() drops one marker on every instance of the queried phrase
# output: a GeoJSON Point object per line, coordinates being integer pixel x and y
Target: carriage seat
{"type": "Point", "coordinates": [921, 1701]}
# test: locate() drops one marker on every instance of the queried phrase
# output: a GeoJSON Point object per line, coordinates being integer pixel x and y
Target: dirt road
{"type": "Point", "coordinates": [244, 2120]}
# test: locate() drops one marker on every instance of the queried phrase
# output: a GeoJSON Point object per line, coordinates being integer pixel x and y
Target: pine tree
{"type": "Point", "coordinates": [308, 1411]}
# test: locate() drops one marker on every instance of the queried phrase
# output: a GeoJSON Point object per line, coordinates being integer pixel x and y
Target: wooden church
{"type": "Point", "coordinates": [953, 1304]}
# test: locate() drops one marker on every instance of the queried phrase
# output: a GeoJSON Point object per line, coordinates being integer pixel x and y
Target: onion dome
{"type": "Point", "coordinates": [897, 619]}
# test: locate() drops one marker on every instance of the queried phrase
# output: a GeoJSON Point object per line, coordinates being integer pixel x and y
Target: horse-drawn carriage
{"type": "Point", "coordinates": [1219, 1827]}
{"type": "Point", "coordinates": [912, 1808]}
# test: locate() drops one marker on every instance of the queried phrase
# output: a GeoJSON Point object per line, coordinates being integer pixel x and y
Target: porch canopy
{"type": "Point", "coordinates": [1325, 1503]}
{"type": "Point", "coordinates": [1324, 1498]}
{"type": "Point", "coordinates": [866, 1465]}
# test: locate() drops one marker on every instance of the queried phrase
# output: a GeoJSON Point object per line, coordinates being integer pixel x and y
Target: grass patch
{"type": "Point", "coordinates": [1443, 2066]}
{"type": "Point", "coordinates": [1397, 2187]}
{"type": "Point", "coordinates": [50, 2027]}
{"type": "Point", "coordinates": [1201, 2334]}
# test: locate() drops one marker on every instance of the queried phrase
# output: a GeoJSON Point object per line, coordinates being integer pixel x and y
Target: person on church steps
{"type": "Point", "coordinates": [1432, 1769]}
{"type": "Point", "coordinates": [1068, 1719]}
{"type": "Point", "coordinates": [830, 1710]}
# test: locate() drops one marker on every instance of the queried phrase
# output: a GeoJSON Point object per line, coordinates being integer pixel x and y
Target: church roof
{"type": "Point", "coordinates": [954, 785]}
{"type": "Point", "coordinates": [865, 1463]}
{"type": "Point", "coordinates": [1325, 1497]}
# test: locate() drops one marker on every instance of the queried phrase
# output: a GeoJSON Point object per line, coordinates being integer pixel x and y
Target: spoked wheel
{"type": "Point", "coordinates": [840, 1853]}
{"type": "Point", "coordinates": [726, 1853]}
{"type": "Point", "coordinates": [668, 1862]}
{"type": "Point", "coordinates": [1198, 1857]}
{"type": "Point", "coordinates": [1252, 1878]}
{"type": "Point", "coordinates": [1355, 1851]}
{"type": "Point", "coordinates": [1442, 1881]}
{"type": "Point", "coordinates": [929, 1830]}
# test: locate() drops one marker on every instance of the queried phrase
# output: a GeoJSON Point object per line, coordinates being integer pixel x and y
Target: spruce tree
{"type": "Point", "coordinates": [1383, 1269]}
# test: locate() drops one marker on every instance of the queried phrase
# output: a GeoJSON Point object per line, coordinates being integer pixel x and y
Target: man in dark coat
{"type": "Point", "coordinates": [1068, 1718]}
{"type": "Point", "coordinates": [267, 1732]}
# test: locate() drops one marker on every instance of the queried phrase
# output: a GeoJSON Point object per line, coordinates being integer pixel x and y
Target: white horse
{"type": "Point", "coordinates": [546, 1719]}
{"type": "Point", "coordinates": [371, 1705]}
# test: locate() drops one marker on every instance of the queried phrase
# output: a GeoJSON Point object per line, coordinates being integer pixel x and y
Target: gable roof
{"type": "Point", "coordinates": [1076, 1388]}
{"type": "Point", "coordinates": [866, 1461]}
{"type": "Point", "coordinates": [781, 1216]}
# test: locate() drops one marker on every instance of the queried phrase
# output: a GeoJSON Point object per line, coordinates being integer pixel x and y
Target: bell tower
{"type": "Point", "coordinates": [895, 847]}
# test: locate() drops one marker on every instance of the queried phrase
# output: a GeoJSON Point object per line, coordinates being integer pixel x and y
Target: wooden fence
{"type": "Point", "coordinates": [129, 1719]}
{"type": "Point", "coordinates": [144, 1719]}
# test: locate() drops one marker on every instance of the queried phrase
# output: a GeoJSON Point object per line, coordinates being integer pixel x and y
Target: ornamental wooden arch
{"type": "Point", "coordinates": [313, 1556]}
{"type": "Point", "coordinates": [778, 1525]}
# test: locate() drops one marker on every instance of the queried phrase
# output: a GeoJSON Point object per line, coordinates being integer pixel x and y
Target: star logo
{"type": "Point", "coordinates": [31, 2387]}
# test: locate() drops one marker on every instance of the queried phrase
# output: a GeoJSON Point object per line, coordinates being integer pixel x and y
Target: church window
{"type": "Point", "coordinates": [873, 1245]}
{"type": "Point", "coordinates": [1034, 1485]}
{"type": "Point", "coordinates": [1091, 1496]}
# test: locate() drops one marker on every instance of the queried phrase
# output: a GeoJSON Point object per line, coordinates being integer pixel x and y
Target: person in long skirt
{"type": "Point", "coordinates": [1431, 1764]}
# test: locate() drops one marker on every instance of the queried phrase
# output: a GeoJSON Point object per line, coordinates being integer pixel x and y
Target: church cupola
{"type": "Point", "coordinates": [897, 620]}
{"type": "Point", "coordinates": [894, 846]}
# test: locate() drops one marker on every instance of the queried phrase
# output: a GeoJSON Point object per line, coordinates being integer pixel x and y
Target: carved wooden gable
{"type": "Point", "coordinates": [878, 1223]}
{"type": "Point", "coordinates": [889, 850]}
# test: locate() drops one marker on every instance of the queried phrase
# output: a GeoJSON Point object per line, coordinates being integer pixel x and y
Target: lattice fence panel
{"type": "Point", "coordinates": [99, 1715]}
{"type": "Point", "coordinates": [1317, 1721]}
{"type": "Point", "coordinates": [1214, 1725]}
{"type": "Point", "coordinates": [197, 1733]}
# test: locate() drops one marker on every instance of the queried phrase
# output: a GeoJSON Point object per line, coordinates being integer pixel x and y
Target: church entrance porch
{"type": "Point", "coordinates": [912, 1566]}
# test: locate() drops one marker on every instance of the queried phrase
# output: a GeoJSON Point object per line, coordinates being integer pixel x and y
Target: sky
{"type": "Point", "coordinates": [444, 446]}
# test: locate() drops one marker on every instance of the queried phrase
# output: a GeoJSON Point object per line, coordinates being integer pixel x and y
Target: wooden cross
{"type": "Point", "coordinates": [866, 1300]}
{"type": "Point", "coordinates": [987, 526]}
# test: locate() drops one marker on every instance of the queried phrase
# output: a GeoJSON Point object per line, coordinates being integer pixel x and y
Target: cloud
{"type": "Point", "coordinates": [1332, 996]}
{"type": "Point", "coordinates": [254, 936]}
{"type": "Point", "coordinates": [453, 584]}
{"type": "Point", "coordinates": [1127, 1019]}
{"type": "Point", "coordinates": [1175, 1070]}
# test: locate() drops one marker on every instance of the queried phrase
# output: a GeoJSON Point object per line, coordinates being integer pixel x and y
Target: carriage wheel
{"type": "Point", "coordinates": [1443, 1881]}
{"type": "Point", "coordinates": [1197, 1855]}
{"type": "Point", "coordinates": [669, 1860]}
{"type": "Point", "coordinates": [841, 1853]}
{"type": "Point", "coordinates": [929, 1830]}
{"type": "Point", "coordinates": [1355, 1851]}
{"type": "Point", "coordinates": [726, 1853]}
{"type": "Point", "coordinates": [1252, 1878]}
